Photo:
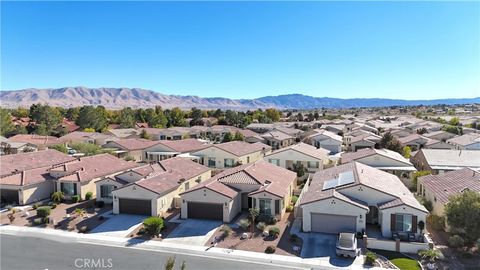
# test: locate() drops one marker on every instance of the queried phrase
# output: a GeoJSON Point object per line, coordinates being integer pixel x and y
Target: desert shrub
{"type": "Point", "coordinates": [53, 206]}
{"type": "Point", "coordinates": [35, 206]}
{"type": "Point", "coordinates": [46, 220]}
{"type": "Point", "coordinates": [370, 258]}
{"type": "Point", "coordinates": [268, 219]}
{"type": "Point", "coordinates": [270, 250]}
{"type": "Point", "coordinates": [153, 225]}
{"type": "Point", "coordinates": [437, 222]}
{"type": "Point", "coordinates": [75, 198]}
{"type": "Point", "coordinates": [57, 197]}
{"type": "Point", "coordinates": [44, 211]}
{"type": "Point", "coordinates": [289, 208]}
{"type": "Point", "coordinates": [429, 254]}
{"type": "Point", "coordinates": [88, 195]}
{"type": "Point", "coordinates": [226, 230]}
{"type": "Point", "coordinates": [38, 221]}
{"type": "Point", "coordinates": [456, 241]}
{"type": "Point", "coordinates": [83, 229]}
{"type": "Point", "coordinates": [294, 199]}
{"type": "Point", "coordinates": [244, 223]}
{"type": "Point", "coordinates": [274, 231]}
{"type": "Point", "coordinates": [261, 226]}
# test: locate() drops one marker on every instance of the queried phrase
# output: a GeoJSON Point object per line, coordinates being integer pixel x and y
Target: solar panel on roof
{"type": "Point", "coordinates": [342, 179]}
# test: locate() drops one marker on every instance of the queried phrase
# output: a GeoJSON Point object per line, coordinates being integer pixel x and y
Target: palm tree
{"type": "Point", "coordinates": [58, 197]}
{"type": "Point", "coordinates": [254, 212]}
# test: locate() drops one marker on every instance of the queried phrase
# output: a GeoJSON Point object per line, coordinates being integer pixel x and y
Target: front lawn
{"type": "Point", "coordinates": [399, 260]}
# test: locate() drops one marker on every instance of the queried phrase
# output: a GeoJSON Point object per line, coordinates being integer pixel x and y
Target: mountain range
{"type": "Point", "coordinates": [117, 98]}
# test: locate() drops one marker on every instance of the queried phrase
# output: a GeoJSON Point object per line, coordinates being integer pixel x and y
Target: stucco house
{"type": "Point", "coordinates": [326, 139]}
{"type": "Point", "coordinates": [130, 147]}
{"type": "Point", "coordinates": [87, 137]}
{"type": "Point", "coordinates": [440, 135]}
{"type": "Point", "coordinates": [354, 197]}
{"type": "Point", "coordinates": [364, 141]}
{"type": "Point", "coordinates": [443, 160]}
{"type": "Point", "coordinates": [439, 188]}
{"type": "Point", "coordinates": [469, 141]}
{"type": "Point", "coordinates": [40, 142]}
{"type": "Point", "coordinates": [231, 154]}
{"type": "Point", "coordinates": [311, 157]}
{"type": "Point", "coordinates": [152, 189]}
{"type": "Point", "coordinates": [78, 177]}
{"type": "Point", "coordinates": [125, 133]}
{"type": "Point", "coordinates": [278, 139]}
{"type": "Point", "coordinates": [417, 142]}
{"type": "Point", "coordinates": [165, 149]}
{"type": "Point", "coordinates": [24, 177]}
{"type": "Point", "coordinates": [255, 185]}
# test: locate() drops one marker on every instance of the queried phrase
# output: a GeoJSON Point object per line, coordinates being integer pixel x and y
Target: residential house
{"type": "Point", "coordinates": [78, 177]}
{"type": "Point", "coordinates": [385, 160]}
{"type": "Point", "coordinates": [165, 149]}
{"type": "Point", "coordinates": [469, 141]}
{"type": "Point", "coordinates": [277, 139]}
{"type": "Point", "coordinates": [155, 193]}
{"type": "Point", "coordinates": [442, 160]}
{"type": "Point", "coordinates": [417, 142]}
{"type": "Point", "coordinates": [335, 128]}
{"type": "Point", "coordinates": [255, 185]}
{"type": "Point", "coordinates": [231, 154]}
{"type": "Point", "coordinates": [40, 142]}
{"type": "Point", "coordinates": [24, 177]}
{"type": "Point", "coordinates": [310, 157]}
{"type": "Point", "coordinates": [354, 197]}
{"type": "Point", "coordinates": [439, 135]}
{"type": "Point", "coordinates": [326, 139]}
{"type": "Point", "coordinates": [8, 147]}
{"type": "Point", "coordinates": [400, 133]}
{"type": "Point", "coordinates": [439, 188]}
{"type": "Point", "coordinates": [124, 133]}
{"type": "Point", "coordinates": [364, 141]}
{"type": "Point", "coordinates": [133, 148]}
{"type": "Point", "coordinates": [87, 137]}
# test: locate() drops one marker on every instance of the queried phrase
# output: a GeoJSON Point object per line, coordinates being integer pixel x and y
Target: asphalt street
{"type": "Point", "coordinates": [24, 253]}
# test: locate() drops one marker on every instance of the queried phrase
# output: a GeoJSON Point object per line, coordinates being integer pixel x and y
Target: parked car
{"type": "Point", "coordinates": [347, 245]}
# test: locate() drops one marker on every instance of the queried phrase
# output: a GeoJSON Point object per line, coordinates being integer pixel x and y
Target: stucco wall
{"type": "Point", "coordinates": [36, 192]}
{"type": "Point", "coordinates": [335, 207]}
{"type": "Point", "coordinates": [295, 156]}
{"type": "Point", "coordinates": [134, 192]}
{"type": "Point", "coordinates": [402, 209]}
{"type": "Point", "coordinates": [106, 181]}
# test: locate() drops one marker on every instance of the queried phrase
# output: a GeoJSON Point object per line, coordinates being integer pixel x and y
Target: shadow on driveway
{"type": "Point", "coordinates": [322, 245]}
{"type": "Point", "coordinates": [119, 225]}
{"type": "Point", "coordinates": [193, 232]}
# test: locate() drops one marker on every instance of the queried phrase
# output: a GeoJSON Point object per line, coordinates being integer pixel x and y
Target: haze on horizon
{"type": "Point", "coordinates": [404, 50]}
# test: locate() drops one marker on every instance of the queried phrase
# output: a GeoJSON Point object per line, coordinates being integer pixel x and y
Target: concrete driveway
{"type": "Point", "coordinates": [193, 232]}
{"type": "Point", "coordinates": [119, 225]}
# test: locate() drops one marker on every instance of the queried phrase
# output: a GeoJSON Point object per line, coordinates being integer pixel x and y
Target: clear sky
{"type": "Point", "coordinates": [410, 50]}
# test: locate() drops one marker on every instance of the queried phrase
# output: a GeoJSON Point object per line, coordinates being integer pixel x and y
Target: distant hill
{"type": "Point", "coordinates": [116, 98]}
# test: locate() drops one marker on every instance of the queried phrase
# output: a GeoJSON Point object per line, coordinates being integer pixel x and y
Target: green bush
{"type": "Point", "coordinates": [261, 226]}
{"type": "Point", "coordinates": [456, 241]}
{"type": "Point", "coordinates": [129, 158]}
{"type": "Point", "coordinates": [153, 225]}
{"type": "Point", "coordinates": [428, 205]}
{"type": "Point", "coordinates": [75, 198]}
{"type": "Point", "coordinates": [437, 222]}
{"type": "Point", "coordinates": [226, 230]}
{"type": "Point", "coordinates": [370, 258]}
{"type": "Point", "coordinates": [244, 223]}
{"type": "Point", "coordinates": [35, 206]}
{"type": "Point", "coordinates": [44, 211]}
{"type": "Point", "coordinates": [57, 197]}
{"type": "Point", "coordinates": [88, 195]}
{"type": "Point", "coordinates": [294, 199]}
{"type": "Point", "coordinates": [270, 250]}
{"type": "Point", "coordinates": [274, 231]}
{"type": "Point", "coordinates": [289, 208]}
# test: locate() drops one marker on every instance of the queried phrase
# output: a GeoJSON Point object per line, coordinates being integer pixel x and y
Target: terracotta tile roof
{"type": "Point", "coordinates": [80, 135]}
{"type": "Point", "coordinates": [31, 160]}
{"type": "Point", "coordinates": [239, 148]}
{"type": "Point", "coordinates": [161, 183]}
{"type": "Point", "coordinates": [363, 175]}
{"type": "Point", "coordinates": [366, 152]}
{"type": "Point", "coordinates": [451, 183]}
{"type": "Point", "coordinates": [183, 146]}
{"type": "Point", "coordinates": [135, 144]}
{"type": "Point", "coordinates": [276, 135]}
{"type": "Point", "coordinates": [88, 168]}
{"type": "Point", "coordinates": [149, 169]}
{"type": "Point", "coordinates": [184, 166]}
{"type": "Point", "coordinates": [26, 177]}
{"type": "Point", "coordinates": [326, 133]}
{"type": "Point", "coordinates": [36, 139]}
{"type": "Point", "coordinates": [309, 150]}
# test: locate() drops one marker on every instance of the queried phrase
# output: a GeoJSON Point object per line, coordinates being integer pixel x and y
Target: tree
{"type": "Point", "coordinates": [58, 197]}
{"type": "Point", "coordinates": [422, 131]}
{"type": "Point", "coordinates": [454, 121]}
{"type": "Point", "coordinates": [407, 152]}
{"type": "Point", "coordinates": [238, 136]}
{"type": "Point", "coordinates": [196, 115]}
{"type": "Point", "coordinates": [176, 118]}
{"type": "Point", "coordinates": [463, 213]}
{"type": "Point", "coordinates": [273, 114]}
{"type": "Point", "coordinates": [227, 137]}
{"type": "Point", "coordinates": [92, 117]}
{"type": "Point", "coordinates": [145, 135]}
{"type": "Point", "coordinates": [300, 117]}
{"type": "Point", "coordinates": [48, 117]}
{"type": "Point", "coordinates": [72, 113]}
{"type": "Point", "coordinates": [6, 125]}
{"type": "Point", "coordinates": [299, 169]}
{"type": "Point", "coordinates": [59, 147]}
{"type": "Point", "coordinates": [127, 118]}
{"type": "Point", "coordinates": [41, 129]}
{"type": "Point", "coordinates": [391, 143]}
{"type": "Point", "coordinates": [254, 213]}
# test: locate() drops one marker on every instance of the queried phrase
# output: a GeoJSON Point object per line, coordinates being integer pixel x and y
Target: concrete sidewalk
{"type": "Point", "coordinates": [65, 236]}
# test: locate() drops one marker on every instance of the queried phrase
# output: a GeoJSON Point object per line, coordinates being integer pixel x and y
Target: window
{"type": "Point", "coordinates": [211, 162]}
{"type": "Point", "coordinates": [403, 222]}
{"type": "Point", "coordinates": [277, 207]}
{"type": "Point", "coordinates": [313, 164]}
{"type": "Point", "coordinates": [265, 206]}
{"type": "Point", "coordinates": [187, 185]}
{"type": "Point", "coordinates": [106, 191]}
{"type": "Point", "coordinates": [248, 159]}
{"type": "Point", "coordinates": [274, 161]}
{"type": "Point", "coordinates": [69, 189]}
{"type": "Point", "coordinates": [228, 162]}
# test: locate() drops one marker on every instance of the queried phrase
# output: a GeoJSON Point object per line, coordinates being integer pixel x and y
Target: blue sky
{"type": "Point", "coordinates": [410, 50]}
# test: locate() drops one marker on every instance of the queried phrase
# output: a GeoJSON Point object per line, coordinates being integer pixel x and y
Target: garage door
{"type": "Point", "coordinates": [205, 210]}
{"type": "Point", "coordinates": [135, 207]}
{"type": "Point", "coordinates": [333, 223]}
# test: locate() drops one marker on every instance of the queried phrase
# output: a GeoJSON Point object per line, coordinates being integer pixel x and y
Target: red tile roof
{"type": "Point", "coordinates": [36, 139]}
{"type": "Point", "coordinates": [31, 160]}
{"type": "Point", "coordinates": [183, 146]}
{"type": "Point", "coordinates": [135, 144]}
{"type": "Point", "coordinates": [239, 148]}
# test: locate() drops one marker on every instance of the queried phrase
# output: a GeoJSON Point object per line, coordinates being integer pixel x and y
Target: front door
{"type": "Point", "coordinates": [372, 216]}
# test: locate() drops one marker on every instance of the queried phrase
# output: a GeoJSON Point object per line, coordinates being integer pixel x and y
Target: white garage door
{"type": "Point", "coordinates": [327, 223]}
